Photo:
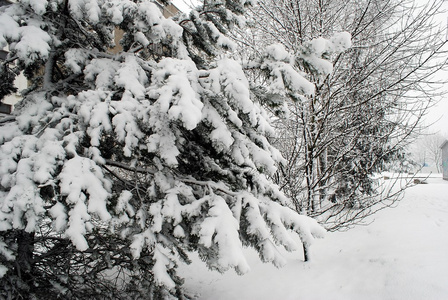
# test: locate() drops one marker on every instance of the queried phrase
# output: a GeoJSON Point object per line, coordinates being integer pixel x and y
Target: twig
{"type": "Point", "coordinates": [130, 168]}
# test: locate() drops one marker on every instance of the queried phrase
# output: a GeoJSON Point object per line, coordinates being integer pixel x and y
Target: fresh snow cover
{"type": "Point", "coordinates": [8, 28]}
{"type": "Point", "coordinates": [175, 81]}
{"type": "Point", "coordinates": [75, 7]}
{"type": "Point", "coordinates": [93, 11]}
{"type": "Point", "coordinates": [220, 134]}
{"type": "Point", "coordinates": [277, 61]}
{"type": "Point", "coordinates": [402, 254]}
{"type": "Point", "coordinates": [89, 8]}
{"type": "Point", "coordinates": [278, 52]}
{"type": "Point", "coordinates": [57, 211]}
{"type": "Point", "coordinates": [132, 77]}
{"type": "Point", "coordinates": [80, 178]}
{"type": "Point", "coordinates": [3, 270]}
{"type": "Point", "coordinates": [74, 58]}
{"type": "Point", "coordinates": [101, 71]}
{"type": "Point", "coordinates": [235, 84]}
{"type": "Point", "coordinates": [162, 264]}
{"type": "Point", "coordinates": [341, 41]}
{"type": "Point", "coordinates": [315, 50]}
{"type": "Point", "coordinates": [33, 44]}
{"type": "Point", "coordinates": [39, 6]}
{"type": "Point", "coordinates": [221, 227]}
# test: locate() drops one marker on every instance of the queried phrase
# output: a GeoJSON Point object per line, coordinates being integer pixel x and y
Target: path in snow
{"type": "Point", "coordinates": [402, 255]}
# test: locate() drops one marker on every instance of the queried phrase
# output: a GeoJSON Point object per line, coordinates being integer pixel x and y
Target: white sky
{"type": "Point", "coordinates": [439, 113]}
{"type": "Point", "coordinates": [184, 5]}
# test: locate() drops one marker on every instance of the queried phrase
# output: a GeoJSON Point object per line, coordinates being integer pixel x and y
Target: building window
{"type": "Point", "coordinates": [3, 54]}
{"type": "Point", "coordinates": [5, 108]}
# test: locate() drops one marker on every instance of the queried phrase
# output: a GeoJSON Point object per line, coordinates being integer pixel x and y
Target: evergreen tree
{"type": "Point", "coordinates": [117, 165]}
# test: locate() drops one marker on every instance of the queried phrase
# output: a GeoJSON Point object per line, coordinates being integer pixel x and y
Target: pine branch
{"type": "Point", "coordinates": [130, 168]}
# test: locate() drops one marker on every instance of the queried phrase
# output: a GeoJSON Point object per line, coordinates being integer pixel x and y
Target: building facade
{"type": "Point", "coordinates": [8, 102]}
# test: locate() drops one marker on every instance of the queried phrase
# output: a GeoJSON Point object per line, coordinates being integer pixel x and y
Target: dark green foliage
{"type": "Point", "coordinates": [7, 80]}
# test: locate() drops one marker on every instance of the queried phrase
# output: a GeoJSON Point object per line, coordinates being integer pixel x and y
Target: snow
{"type": "Point", "coordinates": [401, 255]}
{"type": "Point", "coordinates": [77, 227]}
{"type": "Point", "coordinates": [314, 50]}
{"type": "Point", "coordinates": [144, 106]}
{"type": "Point", "coordinates": [220, 229]}
{"type": "Point", "coordinates": [341, 41]}
{"type": "Point", "coordinates": [123, 203]}
{"type": "Point", "coordinates": [3, 271]}
{"type": "Point", "coordinates": [80, 178]}
{"type": "Point", "coordinates": [160, 26]}
{"type": "Point", "coordinates": [284, 76]}
{"type": "Point", "coordinates": [101, 71]}
{"type": "Point", "coordinates": [278, 53]}
{"type": "Point", "coordinates": [8, 254]}
{"type": "Point", "coordinates": [8, 29]}
{"type": "Point", "coordinates": [34, 43]}
{"type": "Point", "coordinates": [262, 158]}
{"type": "Point", "coordinates": [93, 11]}
{"type": "Point", "coordinates": [220, 134]}
{"type": "Point", "coordinates": [39, 6]}
{"type": "Point", "coordinates": [125, 125]}
{"type": "Point", "coordinates": [88, 8]}
{"type": "Point", "coordinates": [176, 81]}
{"type": "Point", "coordinates": [58, 213]}
{"type": "Point", "coordinates": [75, 7]}
{"type": "Point", "coordinates": [161, 276]}
{"type": "Point", "coordinates": [132, 77]}
{"type": "Point", "coordinates": [235, 84]}
{"type": "Point", "coordinates": [74, 59]}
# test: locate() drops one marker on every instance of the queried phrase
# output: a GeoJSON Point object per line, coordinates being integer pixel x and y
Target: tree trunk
{"type": "Point", "coordinates": [322, 181]}
{"type": "Point", "coordinates": [306, 255]}
{"type": "Point", "coordinates": [25, 249]}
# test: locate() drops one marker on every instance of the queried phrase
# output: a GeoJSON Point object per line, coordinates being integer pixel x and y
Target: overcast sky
{"type": "Point", "coordinates": [439, 113]}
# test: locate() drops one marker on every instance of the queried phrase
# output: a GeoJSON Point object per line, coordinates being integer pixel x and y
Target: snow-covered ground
{"type": "Point", "coordinates": [403, 254]}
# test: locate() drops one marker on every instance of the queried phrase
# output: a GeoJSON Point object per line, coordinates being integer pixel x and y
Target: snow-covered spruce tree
{"type": "Point", "coordinates": [117, 165]}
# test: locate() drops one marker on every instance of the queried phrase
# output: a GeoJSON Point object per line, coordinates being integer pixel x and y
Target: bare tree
{"type": "Point", "coordinates": [365, 112]}
{"type": "Point", "coordinates": [426, 150]}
